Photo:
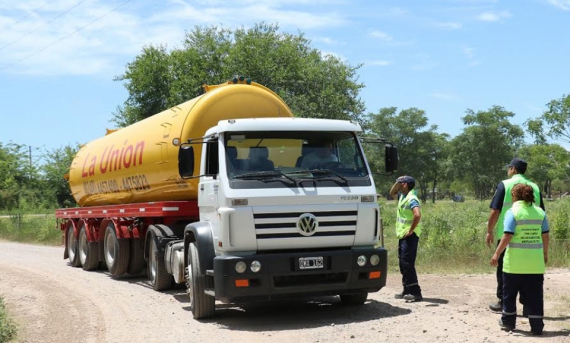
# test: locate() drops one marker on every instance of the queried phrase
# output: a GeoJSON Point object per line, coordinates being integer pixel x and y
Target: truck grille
{"type": "Point", "coordinates": [284, 225]}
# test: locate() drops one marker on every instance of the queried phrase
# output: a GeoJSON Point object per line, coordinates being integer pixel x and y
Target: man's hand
{"type": "Point", "coordinates": [489, 238]}
{"type": "Point", "coordinates": [546, 258]}
{"type": "Point", "coordinates": [409, 233]}
{"type": "Point", "coordinates": [495, 260]}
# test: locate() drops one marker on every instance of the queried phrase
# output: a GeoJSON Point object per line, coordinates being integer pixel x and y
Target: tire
{"type": "Point", "coordinates": [156, 270]}
{"type": "Point", "coordinates": [202, 305]}
{"type": "Point", "coordinates": [72, 248]}
{"type": "Point", "coordinates": [136, 260]}
{"type": "Point", "coordinates": [353, 299]}
{"type": "Point", "coordinates": [88, 251]}
{"type": "Point", "coordinates": [116, 252]}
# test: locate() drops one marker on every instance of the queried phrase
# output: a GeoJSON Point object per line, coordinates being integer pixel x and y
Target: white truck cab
{"type": "Point", "coordinates": [287, 208]}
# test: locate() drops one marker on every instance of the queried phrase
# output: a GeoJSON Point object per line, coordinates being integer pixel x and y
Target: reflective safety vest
{"type": "Point", "coordinates": [524, 254]}
{"type": "Point", "coordinates": [405, 215]}
{"type": "Point", "coordinates": [508, 199]}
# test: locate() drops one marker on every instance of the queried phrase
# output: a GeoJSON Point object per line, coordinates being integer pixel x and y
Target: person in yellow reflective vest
{"type": "Point", "coordinates": [499, 205]}
{"type": "Point", "coordinates": [408, 231]}
{"type": "Point", "coordinates": [525, 243]}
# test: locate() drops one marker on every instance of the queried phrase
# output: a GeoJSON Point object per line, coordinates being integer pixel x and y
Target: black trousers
{"type": "Point", "coordinates": [531, 287]}
{"type": "Point", "coordinates": [500, 278]}
{"type": "Point", "coordinates": [407, 252]}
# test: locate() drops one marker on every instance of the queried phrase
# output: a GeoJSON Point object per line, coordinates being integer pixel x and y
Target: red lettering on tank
{"type": "Point", "coordinates": [115, 159]}
{"type": "Point", "coordinates": [128, 156]}
{"type": "Point", "coordinates": [114, 156]}
{"type": "Point", "coordinates": [83, 173]}
{"type": "Point", "coordinates": [140, 145]}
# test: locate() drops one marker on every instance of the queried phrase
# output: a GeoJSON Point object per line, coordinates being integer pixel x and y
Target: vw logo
{"type": "Point", "coordinates": [307, 224]}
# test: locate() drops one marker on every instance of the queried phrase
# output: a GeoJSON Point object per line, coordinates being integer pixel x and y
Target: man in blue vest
{"type": "Point", "coordinates": [501, 203]}
{"type": "Point", "coordinates": [408, 231]}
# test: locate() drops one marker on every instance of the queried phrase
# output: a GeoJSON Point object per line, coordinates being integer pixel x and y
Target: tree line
{"type": "Point", "coordinates": [314, 85]}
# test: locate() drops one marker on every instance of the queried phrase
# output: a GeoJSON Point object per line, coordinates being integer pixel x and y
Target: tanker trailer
{"type": "Point", "coordinates": [128, 180]}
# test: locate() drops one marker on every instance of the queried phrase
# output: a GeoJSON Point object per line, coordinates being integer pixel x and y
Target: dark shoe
{"type": "Point", "coordinates": [505, 327]}
{"type": "Point", "coordinates": [413, 297]}
{"type": "Point", "coordinates": [536, 333]}
{"type": "Point", "coordinates": [399, 295]}
{"type": "Point", "coordinates": [496, 307]}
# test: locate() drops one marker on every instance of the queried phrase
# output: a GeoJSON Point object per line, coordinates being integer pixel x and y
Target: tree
{"type": "Point", "coordinates": [554, 122]}
{"type": "Point", "coordinates": [486, 145]}
{"type": "Point", "coordinates": [420, 147]}
{"type": "Point", "coordinates": [313, 85]}
{"type": "Point", "coordinates": [546, 163]}
{"type": "Point", "coordinates": [56, 166]}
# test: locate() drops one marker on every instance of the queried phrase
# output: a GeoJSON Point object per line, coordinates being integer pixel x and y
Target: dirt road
{"type": "Point", "coordinates": [53, 302]}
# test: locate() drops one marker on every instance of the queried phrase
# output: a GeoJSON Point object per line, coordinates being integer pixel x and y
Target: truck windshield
{"type": "Point", "coordinates": [286, 158]}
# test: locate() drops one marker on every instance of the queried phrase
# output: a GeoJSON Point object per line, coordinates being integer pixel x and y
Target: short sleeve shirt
{"type": "Point", "coordinates": [499, 198]}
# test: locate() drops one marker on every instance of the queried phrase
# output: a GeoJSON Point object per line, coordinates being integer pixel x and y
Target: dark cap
{"type": "Point", "coordinates": [519, 164]}
{"type": "Point", "coordinates": [406, 179]}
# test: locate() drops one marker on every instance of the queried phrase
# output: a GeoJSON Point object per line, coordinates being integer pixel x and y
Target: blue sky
{"type": "Point", "coordinates": [58, 58]}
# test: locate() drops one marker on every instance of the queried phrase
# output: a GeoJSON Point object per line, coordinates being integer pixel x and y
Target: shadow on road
{"type": "Point", "coordinates": [299, 314]}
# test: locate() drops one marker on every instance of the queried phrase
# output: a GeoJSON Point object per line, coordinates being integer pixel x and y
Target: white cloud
{"type": "Point", "coordinates": [443, 96]}
{"type": "Point", "coordinates": [381, 63]}
{"type": "Point", "coordinates": [449, 25]}
{"type": "Point", "coordinates": [36, 43]}
{"type": "Point", "coordinates": [381, 35]}
{"type": "Point", "coordinates": [562, 4]}
{"type": "Point", "coordinates": [494, 16]}
{"type": "Point", "coordinates": [472, 61]}
{"type": "Point", "coordinates": [326, 40]}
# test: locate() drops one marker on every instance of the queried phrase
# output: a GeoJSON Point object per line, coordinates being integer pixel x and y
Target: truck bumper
{"type": "Point", "coordinates": [281, 275]}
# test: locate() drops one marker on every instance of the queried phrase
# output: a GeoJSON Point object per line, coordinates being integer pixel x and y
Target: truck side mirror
{"type": "Point", "coordinates": [391, 158]}
{"type": "Point", "coordinates": [186, 161]}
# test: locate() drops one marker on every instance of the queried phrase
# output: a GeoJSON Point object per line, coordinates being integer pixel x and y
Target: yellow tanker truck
{"type": "Point", "coordinates": [233, 196]}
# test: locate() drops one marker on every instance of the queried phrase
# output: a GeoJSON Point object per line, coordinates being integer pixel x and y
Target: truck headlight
{"type": "Point", "coordinates": [241, 267]}
{"type": "Point", "coordinates": [255, 266]}
{"type": "Point", "coordinates": [374, 260]}
{"type": "Point", "coordinates": [361, 260]}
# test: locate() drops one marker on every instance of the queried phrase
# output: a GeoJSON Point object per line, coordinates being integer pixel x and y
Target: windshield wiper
{"type": "Point", "coordinates": [264, 174]}
{"type": "Point", "coordinates": [326, 172]}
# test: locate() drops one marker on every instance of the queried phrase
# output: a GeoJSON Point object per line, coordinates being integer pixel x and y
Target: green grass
{"type": "Point", "coordinates": [452, 240]}
{"type": "Point", "coordinates": [453, 236]}
{"type": "Point", "coordinates": [7, 327]}
{"type": "Point", "coordinates": [39, 229]}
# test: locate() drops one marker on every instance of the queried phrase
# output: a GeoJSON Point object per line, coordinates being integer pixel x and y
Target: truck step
{"type": "Point", "coordinates": [210, 292]}
{"type": "Point", "coordinates": [210, 272]}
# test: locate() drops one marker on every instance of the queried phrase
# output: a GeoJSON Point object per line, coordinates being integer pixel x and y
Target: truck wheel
{"type": "Point", "coordinates": [116, 252]}
{"type": "Point", "coordinates": [88, 251]}
{"type": "Point", "coordinates": [156, 270]}
{"type": "Point", "coordinates": [202, 305]}
{"type": "Point", "coordinates": [353, 299]}
{"type": "Point", "coordinates": [72, 249]}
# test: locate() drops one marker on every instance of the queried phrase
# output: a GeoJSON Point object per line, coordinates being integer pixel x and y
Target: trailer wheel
{"type": "Point", "coordinates": [116, 251]}
{"type": "Point", "coordinates": [202, 305]}
{"type": "Point", "coordinates": [156, 270]}
{"type": "Point", "coordinates": [72, 248]}
{"type": "Point", "coordinates": [88, 251]}
{"type": "Point", "coordinates": [353, 299]}
{"type": "Point", "coordinates": [136, 261]}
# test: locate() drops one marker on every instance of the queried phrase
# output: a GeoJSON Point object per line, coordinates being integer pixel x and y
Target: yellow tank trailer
{"type": "Point", "coordinates": [139, 163]}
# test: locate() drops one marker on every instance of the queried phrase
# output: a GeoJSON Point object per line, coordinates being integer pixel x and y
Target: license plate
{"type": "Point", "coordinates": [311, 262]}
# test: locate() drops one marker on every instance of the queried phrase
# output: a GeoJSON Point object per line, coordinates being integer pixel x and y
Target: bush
{"type": "Point", "coordinates": [7, 327]}
{"type": "Point", "coordinates": [453, 236]}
